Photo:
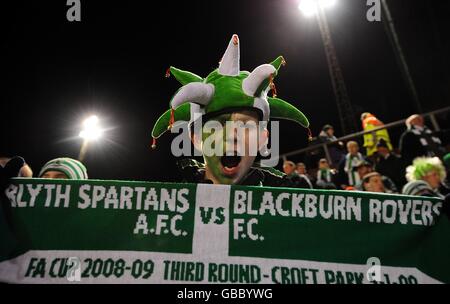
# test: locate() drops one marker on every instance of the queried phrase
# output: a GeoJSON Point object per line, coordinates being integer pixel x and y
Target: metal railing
{"type": "Point", "coordinates": [324, 145]}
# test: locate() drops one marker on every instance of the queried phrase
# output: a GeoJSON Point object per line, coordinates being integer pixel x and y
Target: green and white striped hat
{"type": "Point", "coordinates": [72, 168]}
{"type": "Point", "coordinates": [416, 188]}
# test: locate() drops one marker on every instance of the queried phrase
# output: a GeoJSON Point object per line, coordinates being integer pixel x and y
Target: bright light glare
{"type": "Point", "coordinates": [327, 3]}
{"type": "Point", "coordinates": [310, 7]}
{"type": "Point", "coordinates": [91, 130]}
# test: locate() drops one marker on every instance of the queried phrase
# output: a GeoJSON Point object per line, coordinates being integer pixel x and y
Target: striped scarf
{"type": "Point", "coordinates": [350, 161]}
{"type": "Point", "coordinates": [425, 135]}
{"type": "Point", "coordinates": [324, 175]}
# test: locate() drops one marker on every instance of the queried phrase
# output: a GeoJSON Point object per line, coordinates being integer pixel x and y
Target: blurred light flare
{"type": "Point", "coordinates": [91, 129]}
{"type": "Point", "coordinates": [310, 8]}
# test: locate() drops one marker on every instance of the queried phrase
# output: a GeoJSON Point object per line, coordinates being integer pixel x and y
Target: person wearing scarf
{"type": "Point", "coordinates": [352, 158]}
{"type": "Point", "coordinates": [325, 175]}
{"type": "Point", "coordinates": [418, 140]}
{"type": "Point", "coordinates": [426, 177]}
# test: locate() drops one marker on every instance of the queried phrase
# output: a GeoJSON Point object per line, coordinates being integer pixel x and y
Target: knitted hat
{"type": "Point", "coordinates": [227, 89]}
{"type": "Point", "coordinates": [72, 168]}
{"type": "Point", "coordinates": [366, 178]}
{"type": "Point", "coordinates": [416, 188]}
{"type": "Point", "coordinates": [361, 163]}
{"type": "Point", "coordinates": [290, 163]}
{"type": "Point", "coordinates": [327, 127]}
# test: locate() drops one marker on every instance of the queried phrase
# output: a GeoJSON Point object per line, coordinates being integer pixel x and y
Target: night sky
{"type": "Point", "coordinates": [113, 62]}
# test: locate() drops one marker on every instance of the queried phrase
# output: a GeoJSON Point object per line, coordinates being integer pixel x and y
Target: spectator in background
{"type": "Point", "coordinates": [325, 175]}
{"type": "Point", "coordinates": [289, 168]}
{"type": "Point", "coordinates": [24, 171]}
{"type": "Point", "coordinates": [11, 167]}
{"type": "Point", "coordinates": [373, 182]}
{"type": "Point", "coordinates": [426, 177]}
{"type": "Point", "coordinates": [418, 140]}
{"type": "Point", "coordinates": [302, 171]}
{"type": "Point", "coordinates": [389, 164]}
{"type": "Point", "coordinates": [298, 180]}
{"type": "Point", "coordinates": [348, 176]}
{"type": "Point", "coordinates": [327, 133]}
{"type": "Point", "coordinates": [336, 149]}
{"type": "Point", "coordinates": [363, 168]}
{"type": "Point", "coordinates": [370, 122]}
{"type": "Point", "coordinates": [63, 168]}
{"type": "Point", "coordinates": [447, 163]}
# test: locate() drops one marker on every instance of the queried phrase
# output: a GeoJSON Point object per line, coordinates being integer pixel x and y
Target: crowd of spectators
{"type": "Point", "coordinates": [418, 167]}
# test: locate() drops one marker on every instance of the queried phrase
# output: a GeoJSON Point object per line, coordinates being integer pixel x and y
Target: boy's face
{"type": "Point", "coordinates": [301, 169]}
{"type": "Point", "coordinates": [238, 150]}
{"type": "Point", "coordinates": [433, 179]}
{"type": "Point", "coordinates": [374, 184]}
{"type": "Point", "coordinates": [352, 148]}
{"type": "Point", "coordinates": [330, 132]}
{"type": "Point", "coordinates": [323, 165]}
{"type": "Point", "coordinates": [417, 121]}
{"type": "Point", "coordinates": [288, 168]}
{"type": "Point", "coordinates": [54, 174]}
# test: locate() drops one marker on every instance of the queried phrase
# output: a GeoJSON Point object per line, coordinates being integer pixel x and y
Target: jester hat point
{"type": "Point", "coordinates": [227, 88]}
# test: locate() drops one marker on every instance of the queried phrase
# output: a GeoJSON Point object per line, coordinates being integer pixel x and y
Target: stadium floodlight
{"type": "Point", "coordinates": [310, 8]}
{"type": "Point", "coordinates": [91, 132]}
{"type": "Point", "coordinates": [91, 129]}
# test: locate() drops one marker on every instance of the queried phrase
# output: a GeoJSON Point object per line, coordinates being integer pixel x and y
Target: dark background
{"type": "Point", "coordinates": [113, 62]}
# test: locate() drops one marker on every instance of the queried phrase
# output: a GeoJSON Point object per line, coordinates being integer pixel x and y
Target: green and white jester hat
{"type": "Point", "coordinates": [227, 89]}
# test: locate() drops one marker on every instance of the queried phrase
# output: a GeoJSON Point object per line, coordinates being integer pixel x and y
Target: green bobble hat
{"type": "Point", "coordinates": [72, 168]}
{"type": "Point", "coordinates": [227, 89]}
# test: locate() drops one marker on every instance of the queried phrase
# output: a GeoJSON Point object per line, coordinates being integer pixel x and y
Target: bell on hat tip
{"type": "Point", "coordinates": [235, 39]}
{"type": "Point", "coordinates": [172, 118]}
{"type": "Point", "coordinates": [310, 138]}
{"type": "Point", "coordinates": [153, 144]}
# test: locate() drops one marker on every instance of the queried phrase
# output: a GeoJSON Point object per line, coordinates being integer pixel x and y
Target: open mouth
{"type": "Point", "coordinates": [230, 164]}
